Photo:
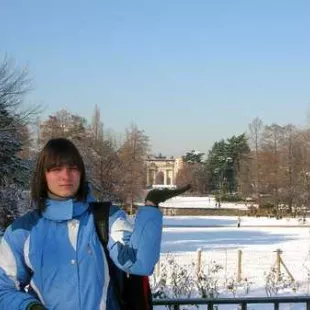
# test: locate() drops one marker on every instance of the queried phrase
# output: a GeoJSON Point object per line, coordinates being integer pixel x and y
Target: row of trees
{"type": "Point", "coordinates": [278, 165]}
{"type": "Point", "coordinates": [269, 163]}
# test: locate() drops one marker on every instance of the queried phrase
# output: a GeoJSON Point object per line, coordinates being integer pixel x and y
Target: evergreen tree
{"type": "Point", "coordinates": [223, 162]}
{"type": "Point", "coordinates": [14, 170]}
{"type": "Point", "coordinates": [13, 86]}
{"type": "Point", "coordinates": [193, 157]}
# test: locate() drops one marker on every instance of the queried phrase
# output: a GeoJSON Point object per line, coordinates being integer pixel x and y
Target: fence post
{"type": "Point", "coordinates": [244, 306]}
{"type": "Point", "coordinates": [198, 268]}
{"type": "Point", "coordinates": [286, 269]}
{"type": "Point", "coordinates": [157, 272]}
{"type": "Point", "coordinates": [239, 271]}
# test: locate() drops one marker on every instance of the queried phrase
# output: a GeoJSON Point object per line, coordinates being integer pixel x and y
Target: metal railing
{"type": "Point", "coordinates": [242, 302]}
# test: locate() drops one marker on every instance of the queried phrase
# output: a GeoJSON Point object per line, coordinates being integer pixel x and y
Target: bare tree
{"type": "Point", "coordinates": [256, 128]}
{"type": "Point", "coordinates": [290, 165]}
{"type": "Point", "coordinates": [14, 85]}
{"type": "Point", "coordinates": [301, 155]}
{"type": "Point", "coordinates": [62, 124]}
{"type": "Point", "coordinates": [104, 164]}
{"type": "Point", "coordinates": [272, 141]}
{"type": "Point", "coordinates": [246, 177]}
{"type": "Point", "coordinates": [97, 125]}
{"type": "Point", "coordinates": [132, 153]}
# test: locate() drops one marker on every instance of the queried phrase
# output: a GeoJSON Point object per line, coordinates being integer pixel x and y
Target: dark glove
{"type": "Point", "coordinates": [36, 306]}
{"type": "Point", "coordinates": [156, 196]}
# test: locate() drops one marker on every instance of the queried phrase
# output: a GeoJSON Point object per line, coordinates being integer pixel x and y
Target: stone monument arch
{"type": "Point", "coordinates": [162, 170]}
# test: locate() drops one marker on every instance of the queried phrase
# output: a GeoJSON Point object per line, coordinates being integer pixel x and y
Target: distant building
{"type": "Point", "coordinates": [161, 171]}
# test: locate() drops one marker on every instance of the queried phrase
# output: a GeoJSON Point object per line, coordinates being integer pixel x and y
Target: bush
{"type": "Point", "coordinates": [266, 205]}
{"type": "Point", "coordinates": [274, 285]}
{"type": "Point", "coordinates": [183, 281]}
{"type": "Point", "coordinates": [176, 281]}
{"type": "Point", "coordinates": [235, 197]}
{"type": "Point", "coordinates": [207, 281]}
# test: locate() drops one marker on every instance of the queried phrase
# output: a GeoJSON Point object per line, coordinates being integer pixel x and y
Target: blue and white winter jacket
{"type": "Point", "coordinates": [60, 256]}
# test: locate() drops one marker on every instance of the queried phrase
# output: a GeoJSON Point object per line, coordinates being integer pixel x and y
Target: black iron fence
{"type": "Point", "coordinates": [242, 302]}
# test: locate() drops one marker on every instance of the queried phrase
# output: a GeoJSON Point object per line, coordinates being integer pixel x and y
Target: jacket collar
{"type": "Point", "coordinates": [64, 210]}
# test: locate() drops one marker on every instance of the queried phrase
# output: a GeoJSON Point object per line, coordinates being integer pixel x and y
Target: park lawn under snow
{"type": "Point", "coordinates": [219, 221]}
{"type": "Point", "coordinates": [258, 238]}
{"type": "Point", "coordinates": [201, 203]}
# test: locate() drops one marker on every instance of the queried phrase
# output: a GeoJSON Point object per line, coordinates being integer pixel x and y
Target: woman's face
{"type": "Point", "coordinates": [63, 181]}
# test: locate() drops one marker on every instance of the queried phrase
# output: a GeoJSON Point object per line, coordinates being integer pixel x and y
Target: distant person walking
{"type": "Point", "coordinates": [239, 222]}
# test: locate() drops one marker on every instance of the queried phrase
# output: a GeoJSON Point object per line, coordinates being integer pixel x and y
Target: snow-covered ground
{"type": "Point", "coordinates": [219, 221]}
{"type": "Point", "coordinates": [258, 238]}
{"type": "Point", "coordinates": [200, 202]}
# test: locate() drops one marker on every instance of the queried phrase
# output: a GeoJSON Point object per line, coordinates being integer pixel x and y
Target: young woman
{"type": "Point", "coordinates": [55, 250]}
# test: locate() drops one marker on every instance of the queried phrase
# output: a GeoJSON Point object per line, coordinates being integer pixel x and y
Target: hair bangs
{"type": "Point", "coordinates": [61, 159]}
{"type": "Point", "coordinates": [64, 154]}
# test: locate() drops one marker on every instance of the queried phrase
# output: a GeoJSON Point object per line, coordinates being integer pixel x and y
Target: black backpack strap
{"type": "Point", "coordinates": [101, 211]}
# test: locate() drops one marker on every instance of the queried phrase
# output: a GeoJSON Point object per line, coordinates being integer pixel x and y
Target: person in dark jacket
{"type": "Point", "coordinates": [51, 258]}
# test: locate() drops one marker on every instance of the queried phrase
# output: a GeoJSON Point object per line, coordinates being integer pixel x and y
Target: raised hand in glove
{"type": "Point", "coordinates": [156, 196]}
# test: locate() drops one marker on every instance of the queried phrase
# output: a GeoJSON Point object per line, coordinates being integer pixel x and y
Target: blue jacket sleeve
{"type": "Point", "coordinates": [14, 274]}
{"type": "Point", "coordinates": [135, 248]}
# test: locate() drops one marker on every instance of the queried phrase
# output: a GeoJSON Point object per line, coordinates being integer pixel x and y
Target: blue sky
{"type": "Point", "coordinates": [187, 72]}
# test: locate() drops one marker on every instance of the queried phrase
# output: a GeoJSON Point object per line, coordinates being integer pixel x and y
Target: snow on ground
{"type": "Point", "coordinates": [200, 202]}
{"type": "Point", "coordinates": [258, 238]}
{"type": "Point", "coordinates": [207, 221]}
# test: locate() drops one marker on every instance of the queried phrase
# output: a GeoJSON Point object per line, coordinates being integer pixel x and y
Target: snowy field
{"type": "Point", "coordinates": [258, 238]}
{"type": "Point", "coordinates": [220, 221]}
{"type": "Point", "coordinates": [200, 202]}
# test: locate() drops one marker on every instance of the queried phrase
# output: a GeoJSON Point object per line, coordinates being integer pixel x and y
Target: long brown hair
{"type": "Point", "coordinates": [55, 153]}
